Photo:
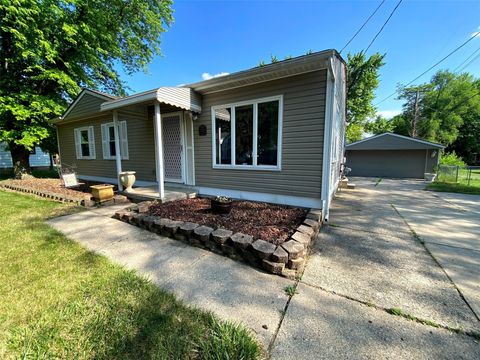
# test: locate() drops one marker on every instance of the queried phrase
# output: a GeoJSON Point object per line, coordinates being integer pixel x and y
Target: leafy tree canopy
{"type": "Point", "coordinates": [447, 111]}
{"type": "Point", "coordinates": [379, 125]}
{"type": "Point", "coordinates": [51, 48]}
{"type": "Point", "coordinates": [362, 80]}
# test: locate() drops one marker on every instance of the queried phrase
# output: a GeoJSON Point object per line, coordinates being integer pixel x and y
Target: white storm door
{"type": "Point", "coordinates": [173, 157]}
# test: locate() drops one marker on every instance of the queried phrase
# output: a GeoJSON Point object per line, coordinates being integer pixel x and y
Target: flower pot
{"type": "Point", "coordinates": [102, 192]}
{"type": "Point", "coordinates": [221, 207]}
{"type": "Point", "coordinates": [127, 179]}
{"type": "Point", "coordinates": [429, 177]}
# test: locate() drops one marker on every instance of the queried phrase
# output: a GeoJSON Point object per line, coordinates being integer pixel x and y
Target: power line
{"type": "Point", "coordinates": [365, 23]}
{"type": "Point", "coordinates": [468, 58]}
{"type": "Point", "coordinates": [384, 24]}
{"type": "Point", "coordinates": [470, 62]}
{"type": "Point", "coordinates": [431, 67]}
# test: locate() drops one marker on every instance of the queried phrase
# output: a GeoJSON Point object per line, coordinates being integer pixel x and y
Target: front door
{"type": "Point", "coordinates": [173, 158]}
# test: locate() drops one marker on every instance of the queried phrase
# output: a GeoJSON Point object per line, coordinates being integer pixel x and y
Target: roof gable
{"type": "Point", "coordinates": [86, 103]}
{"type": "Point", "coordinates": [390, 141]}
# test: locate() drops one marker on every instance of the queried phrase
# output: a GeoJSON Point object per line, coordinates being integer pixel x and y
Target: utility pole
{"type": "Point", "coordinates": [416, 109]}
{"type": "Point", "coordinates": [415, 115]}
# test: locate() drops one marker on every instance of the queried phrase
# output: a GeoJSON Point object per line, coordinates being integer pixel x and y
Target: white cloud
{"type": "Point", "coordinates": [208, 76]}
{"type": "Point", "coordinates": [476, 33]}
{"type": "Point", "coordinates": [389, 113]}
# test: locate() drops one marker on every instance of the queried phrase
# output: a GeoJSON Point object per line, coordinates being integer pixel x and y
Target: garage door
{"type": "Point", "coordinates": [387, 163]}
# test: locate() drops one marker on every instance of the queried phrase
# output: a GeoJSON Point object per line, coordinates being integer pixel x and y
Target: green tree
{"type": "Point", "coordinates": [467, 144]}
{"type": "Point", "coordinates": [444, 106]}
{"type": "Point", "coordinates": [51, 48]}
{"type": "Point", "coordinates": [379, 125]}
{"type": "Point", "coordinates": [362, 80]}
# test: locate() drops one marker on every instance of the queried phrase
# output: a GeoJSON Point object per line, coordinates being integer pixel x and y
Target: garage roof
{"type": "Point", "coordinates": [390, 141]}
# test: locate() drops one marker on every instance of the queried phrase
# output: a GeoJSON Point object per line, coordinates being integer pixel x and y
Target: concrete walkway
{"type": "Point", "coordinates": [317, 322]}
{"type": "Point", "coordinates": [232, 290]}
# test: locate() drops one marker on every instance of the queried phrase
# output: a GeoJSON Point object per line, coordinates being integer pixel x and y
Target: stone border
{"type": "Point", "coordinates": [287, 259]}
{"type": "Point", "coordinates": [86, 201]}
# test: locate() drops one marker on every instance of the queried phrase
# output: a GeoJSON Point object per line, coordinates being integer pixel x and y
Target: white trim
{"type": "Point", "coordinates": [170, 95]}
{"type": "Point", "coordinates": [81, 95]}
{"type": "Point", "coordinates": [118, 155]}
{"type": "Point", "coordinates": [78, 142]}
{"type": "Point", "coordinates": [193, 153]}
{"type": "Point", "coordinates": [159, 150]}
{"type": "Point", "coordinates": [299, 65]}
{"type": "Point", "coordinates": [106, 138]}
{"type": "Point", "coordinates": [130, 100]}
{"type": "Point", "coordinates": [263, 197]}
{"type": "Point", "coordinates": [254, 166]}
{"type": "Point", "coordinates": [327, 146]}
{"type": "Point", "coordinates": [399, 136]}
{"type": "Point", "coordinates": [110, 180]}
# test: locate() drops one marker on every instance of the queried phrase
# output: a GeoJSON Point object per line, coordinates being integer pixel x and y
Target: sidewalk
{"type": "Point", "coordinates": [316, 324]}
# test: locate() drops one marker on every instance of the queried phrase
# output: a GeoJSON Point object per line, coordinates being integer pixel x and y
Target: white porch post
{"type": "Point", "coordinates": [159, 150]}
{"type": "Point", "coordinates": [118, 156]}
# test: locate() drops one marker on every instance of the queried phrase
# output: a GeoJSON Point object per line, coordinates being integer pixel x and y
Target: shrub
{"type": "Point", "coordinates": [451, 159]}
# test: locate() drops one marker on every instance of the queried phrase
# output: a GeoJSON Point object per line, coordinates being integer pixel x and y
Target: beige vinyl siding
{"type": "Point", "coordinates": [91, 167]}
{"type": "Point", "coordinates": [88, 105]}
{"type": "Point", "coordinates": [302, 138]}
{"type": "Point", "coordinates": [140, 145]}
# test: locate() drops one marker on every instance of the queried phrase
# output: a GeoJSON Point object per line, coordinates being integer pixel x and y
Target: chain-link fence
{"type": "Point", "coordinates": [465, 175]}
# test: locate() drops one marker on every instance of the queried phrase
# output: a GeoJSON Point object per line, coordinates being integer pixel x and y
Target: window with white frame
{"type": "Point", "coordinates": [108, 140]}
{"type": "Point", "coordinates": [248, 135]}
{"type": "Point", "coordinates": [84, 142]}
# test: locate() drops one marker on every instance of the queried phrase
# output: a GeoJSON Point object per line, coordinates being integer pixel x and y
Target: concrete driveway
{"type": "Point", "coordinates": [389, 246]}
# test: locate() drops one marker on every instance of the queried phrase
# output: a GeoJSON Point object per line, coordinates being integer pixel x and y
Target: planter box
{"type": "Point", "coordinates": [429, 177]}
{"type": "Point", "coordinates": [102, 192]}
{"type": "Point", "coordinates": [219, 207]}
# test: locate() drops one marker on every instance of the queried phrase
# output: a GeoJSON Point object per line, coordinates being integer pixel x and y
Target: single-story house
{"type": "Point", "coordinates": [392, 156]}
{"type": "Point", "coordinates": [273, 133]}
{"type": "Point", "coordinates": [38, 159]}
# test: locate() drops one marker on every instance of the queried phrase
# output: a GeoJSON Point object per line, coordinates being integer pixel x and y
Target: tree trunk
{"type": "Point", "coordinates": [20, 159]}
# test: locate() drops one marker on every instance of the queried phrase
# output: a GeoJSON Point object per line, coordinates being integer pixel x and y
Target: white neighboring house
{"type": "Point", "coordinates": [38, 158]}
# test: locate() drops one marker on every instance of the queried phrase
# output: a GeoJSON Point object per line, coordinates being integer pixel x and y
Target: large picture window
{"type": "Point", "coordinates": [248, 134]}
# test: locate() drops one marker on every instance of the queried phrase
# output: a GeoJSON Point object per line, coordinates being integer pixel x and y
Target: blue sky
{"type": "Point", "coordinates": [227, 36]}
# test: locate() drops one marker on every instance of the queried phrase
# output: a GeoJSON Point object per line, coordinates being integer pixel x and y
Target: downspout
{"type": "Point", "coordinates": [426, 161]}
{"type": "Point", "coordinates": [58, 148]}
{"type": "Point", "coordinates": [327, 142]}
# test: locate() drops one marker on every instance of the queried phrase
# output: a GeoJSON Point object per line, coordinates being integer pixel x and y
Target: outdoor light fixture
{"type": "Point", "coordinates": [434, 153]}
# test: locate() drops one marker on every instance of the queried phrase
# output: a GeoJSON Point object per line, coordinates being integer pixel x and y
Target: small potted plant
{"type": "Point", "coordinates": [221, 205]}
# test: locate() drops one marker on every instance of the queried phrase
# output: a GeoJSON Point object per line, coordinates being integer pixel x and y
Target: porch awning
{"type": "Point", "coordinates": [182, 97]}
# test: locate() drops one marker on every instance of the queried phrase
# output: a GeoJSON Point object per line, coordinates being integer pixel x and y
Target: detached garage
{"type": "Point", "coordinates": [391, 155]}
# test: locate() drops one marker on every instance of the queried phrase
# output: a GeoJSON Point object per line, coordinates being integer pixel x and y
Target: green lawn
{"type": "Point", "coordinates": [61, 301]}
{"type": "Point", "coordinates": [468, 183]}
{"type": "Point", "coordinates": [455, 188]}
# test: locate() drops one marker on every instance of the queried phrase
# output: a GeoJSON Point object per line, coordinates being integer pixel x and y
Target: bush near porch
{"type": "Point", "coordinates": [61, 301]}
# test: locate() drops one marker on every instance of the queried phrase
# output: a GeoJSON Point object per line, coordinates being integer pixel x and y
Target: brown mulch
{"type": "Point", "coordinates": [52, 186]}
{"type": "Point", "coordinates": [272, 223]}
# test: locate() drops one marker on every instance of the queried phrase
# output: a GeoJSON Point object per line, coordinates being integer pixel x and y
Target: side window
{"type": "Point", "coordinates": [84, 142]}
{"type": "Point", "coordinates": [108, 140]}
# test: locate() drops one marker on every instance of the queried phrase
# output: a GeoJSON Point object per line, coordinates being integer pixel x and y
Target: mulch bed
{"type": "Point", "coordinates": [54, 186]}
{"type": "Point", "coordinates": [272, 223]}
